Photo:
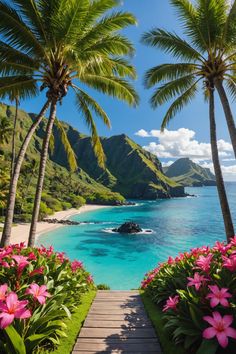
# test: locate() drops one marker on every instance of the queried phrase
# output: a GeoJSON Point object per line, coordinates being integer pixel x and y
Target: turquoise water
{"type": "Point", "coordinates": [122, 260]}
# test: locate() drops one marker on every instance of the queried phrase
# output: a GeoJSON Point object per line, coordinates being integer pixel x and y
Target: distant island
{"type": "Point", "coordinates": [189, 174]}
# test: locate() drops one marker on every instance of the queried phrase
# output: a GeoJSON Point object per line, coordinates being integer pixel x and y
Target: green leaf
{"type": "Point", "coordinates": [16, 340]}
{"type": "Point", "coordinates": [208, 346]}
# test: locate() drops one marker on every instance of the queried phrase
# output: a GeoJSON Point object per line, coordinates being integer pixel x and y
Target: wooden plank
{"type": "Point", "coordinates": [117, 340]}
{"type": "Point", "coordinates": [135, 347]}
{"type": "Point", "coordinates": [119, 317]}
{"type": "Point", "coordinates": [127, 312]}
{"type": "Point", "coordinates": [91, 323]}
{"type": "Point", "coordinates": [124, 333]}
{"type": "Point", "coordinates": [115, 351]}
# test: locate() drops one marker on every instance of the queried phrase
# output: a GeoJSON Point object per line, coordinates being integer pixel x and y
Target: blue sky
{"type": "Point", "coordinates": [149, 13]}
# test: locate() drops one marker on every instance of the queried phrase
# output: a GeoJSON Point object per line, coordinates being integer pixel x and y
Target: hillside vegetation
{"type": "Point", "coordinates": [189, 174]}
{"type": "Point", "coordinates": [131, 172]}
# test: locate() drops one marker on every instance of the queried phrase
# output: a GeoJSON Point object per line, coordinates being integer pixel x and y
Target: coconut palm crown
{"type": "Point", "coordinates": [206, 56]}
{"type": "Point", "coordinates": [57, 45]}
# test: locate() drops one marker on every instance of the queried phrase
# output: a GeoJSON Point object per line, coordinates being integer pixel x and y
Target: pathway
{"type": "Point", "coordinates": [117, 323]}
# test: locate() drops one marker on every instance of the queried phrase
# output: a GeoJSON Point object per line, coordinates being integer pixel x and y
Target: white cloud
{"type": "Point", "coordinates": [181, 143]}
{"type": "Point", "coordinates": [174, 144]}
{"type": "Point", "coordinates": [229, 172]}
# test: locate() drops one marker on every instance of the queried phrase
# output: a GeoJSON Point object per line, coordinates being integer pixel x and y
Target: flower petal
{"type": "Point", "coordinates": [6, 320]}
{"type": "Point", "coordinates": [228, 319]}
{"type": "Point", "coordinates": [231, 332]}
{"type": "Point", "coordinates": [209, 333]}
{"type": "Point", "coordinates": [222, 339]}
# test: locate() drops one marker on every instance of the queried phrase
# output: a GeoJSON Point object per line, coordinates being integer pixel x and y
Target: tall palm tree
{"type": "Point", "coordinates": [197, 62]}
{"type": "Point", "coordinates": [13, 144]}
{"type": "Point", "coordinates": [69, 43]}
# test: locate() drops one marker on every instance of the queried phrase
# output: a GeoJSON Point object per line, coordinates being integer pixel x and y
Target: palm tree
{"type": "Point", "coordinates": [13, 145]}
{"type": "Point", "coordinates": [198, 62]}
{"type": "Point", "coordinates": [68, 43]}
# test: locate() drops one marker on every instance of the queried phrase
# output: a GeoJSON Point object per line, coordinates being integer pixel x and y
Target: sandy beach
{"type": "Point", "coordinates": [21, 231]}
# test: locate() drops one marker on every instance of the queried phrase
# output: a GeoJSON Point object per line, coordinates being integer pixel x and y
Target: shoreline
{"type": "Point", "coordinates": [21, 231]}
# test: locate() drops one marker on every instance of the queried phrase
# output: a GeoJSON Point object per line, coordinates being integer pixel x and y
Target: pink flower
{"type": "Point", "coordinates": [31, 256]}
{"type": "Point", "coordinates": [21, 261]}
{"type": "Point", "coordinates": [171, 303]}
{"type": "Point", "coordinates": [233, 241]}
{"type": "Point", "coordinates": [221, 247]}
{"type": "Point", "coordinates": [76, 265]}
{"type": "Point", "coordinates": [171, 260]}
{"type": "Point", "coordinates": [220, 328]}
{"type": "Point", "coordinates": [90, 279]}
{"type": "Point", "coordinates": [36, 271]}
{"type": "Point", "coordinates": [13, 308]}
{"type": "Point", "coordinates": [218, 296]}
{"type": "Point", "coordinates": [3, 290]}
{"type": "Point", "coordinates": [230, 263]}
{"type": "Point", "coordinates": [38, 292]}
{"type": "Point", "coordinates": [204, 263]}
{"type": "Point", "coordinates": [196, 280]}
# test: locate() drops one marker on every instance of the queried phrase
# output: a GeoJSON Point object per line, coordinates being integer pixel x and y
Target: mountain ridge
{"type": "Point", "coordinates": [189, 174]}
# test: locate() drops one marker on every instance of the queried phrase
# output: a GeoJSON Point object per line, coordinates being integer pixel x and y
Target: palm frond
{"type": "Point", "coordinates": [112, 86]}
{"type": "Point", "coordinates": [178, 104]}
{"type": "Point", "coordinates": [13, 28]}
{"type": "Point", "coordinates": [70, 154]}
{"type": "Point", "coordinates": [91, 103]}
{"type": "Point", "coordinates": [111, 45]}
{"type": "Point", "coordinates": [231, 86]}
{"type": "Point", "coordinates": [106, 26]}
{"type": "Point", "coordinates": [169, 90]}
{"type": "Point", "coordinates": [171, 43]}
{"type": "Point", "coordinates": [229, 34]}
{"type": "Point", "coordinates": [168, 72]}
{"type": "Point", "coordinates": [22, 86]}
{"type": "Point", "coordinates": [96, 143]}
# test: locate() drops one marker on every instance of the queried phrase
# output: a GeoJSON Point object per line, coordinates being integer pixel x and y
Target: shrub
{"type": "Point", "coordinates": [23, 218]}
{"type": "Point", "coordinates": [44, 211]}
{"type": "Point", "coordinates": [51, 202]}
{"type": "Point", "coordinates": [106, 199]}
{"type": "Point", "coordinates": [39, 288]}
{"type": "Point", "coordinates": [197, 293]}
{"type": "Point", "coordinates": [66, 205]}
{"type": "Point", "coordinates": [103, 287]}
{"type": "Point", "coordinates": [76, 200]}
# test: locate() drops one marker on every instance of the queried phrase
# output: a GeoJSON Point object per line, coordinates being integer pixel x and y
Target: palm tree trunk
{"type": "Point", "coordinates": [228, 113]}
{"type": "Point", "coordinates": [5, 240]}
{"type": "Point", "coordinates": [229, 228]}
{"type": "Point", "coordinates": [42, 168]}
{"type": "Point", "coordinates": [13, 147]}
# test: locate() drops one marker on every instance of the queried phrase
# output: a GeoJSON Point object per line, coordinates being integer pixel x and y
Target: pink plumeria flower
{"type": "Point", "coordinates": [218, 296]}
{"type": "Point", "coordinates": [230, 263]}
{"type": "Point", "coordinates": [38, 292]}
{"type": "Point", "coordinates": [171, 260]}
{"type": "Point", "coordinates": [13, 308]}
{"type": "Point", "coordinates": [204, 262]}
{"type": "Point", "coordinates": [3, 291]}
{"type": "Point", "coordinates": [220, 328]}
{"type": "Point", "coordinates": [21, 262]}
{"type": "Point", "coordinates": [171, 303]}
{"type": "Point", "coordinates": [196, 281]}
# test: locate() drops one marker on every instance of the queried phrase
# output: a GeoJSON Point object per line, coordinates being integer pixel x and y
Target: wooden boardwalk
{"type": "Point", "coordinates": [117, 323]}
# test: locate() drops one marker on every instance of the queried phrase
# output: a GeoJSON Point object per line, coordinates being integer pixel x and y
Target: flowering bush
{"type": "Point", "coordinates": [39, 288]}
{"type": "Point", "coordinates": [197, 293]}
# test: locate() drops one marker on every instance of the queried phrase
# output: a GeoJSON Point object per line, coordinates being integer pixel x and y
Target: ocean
{"type": "Point", "coordinates": [121, 261]}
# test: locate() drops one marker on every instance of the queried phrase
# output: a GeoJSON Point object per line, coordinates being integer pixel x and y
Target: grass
{"type": "Point", "coordinates": [74, 325]}
{"type": "Point", "coordinates": [156, 316]}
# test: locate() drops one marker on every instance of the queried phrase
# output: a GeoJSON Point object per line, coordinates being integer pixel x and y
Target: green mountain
{"type": "Point", "coordinates": [189, 174]}
{"type": "Point", "coordinates": [131, 172]}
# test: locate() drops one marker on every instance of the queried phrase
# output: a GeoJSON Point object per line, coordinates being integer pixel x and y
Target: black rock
{"type": "Point", "coordinates": [128, 228]}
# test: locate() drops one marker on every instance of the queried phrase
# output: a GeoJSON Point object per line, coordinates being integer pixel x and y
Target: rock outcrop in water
{"type": "Point", "coordinates": [128, 228]}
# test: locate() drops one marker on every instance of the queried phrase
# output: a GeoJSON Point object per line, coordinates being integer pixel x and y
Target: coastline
{"type": "Point", "coordinates": [21, 231]}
